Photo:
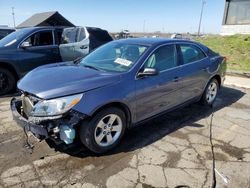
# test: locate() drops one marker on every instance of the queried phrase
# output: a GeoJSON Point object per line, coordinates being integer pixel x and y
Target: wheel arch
{"type": "Point", "coordinates": [218, 78]}
{"type": "Point", "coordinates": [119, 105]}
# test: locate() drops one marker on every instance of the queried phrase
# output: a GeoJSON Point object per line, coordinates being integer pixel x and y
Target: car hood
{"type": "Point", "coordinates": [62, 79]}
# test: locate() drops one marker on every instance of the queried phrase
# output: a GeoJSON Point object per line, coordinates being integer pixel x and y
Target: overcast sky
{"type": "Point", "coordinates": [115, 15]}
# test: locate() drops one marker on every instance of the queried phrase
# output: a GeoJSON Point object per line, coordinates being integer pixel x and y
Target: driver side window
{"type": "Point", "coordinates": [163, 58]}
{"type": "Point", "coordinates": [42, 38]}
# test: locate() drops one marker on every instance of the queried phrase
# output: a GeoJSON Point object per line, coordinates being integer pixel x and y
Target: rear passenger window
{"type": "Point", "coordinates": [69, 35]}
{"type": "Point", "coordinates": [81, 34]}
{"type": "Point", "coordinates": [191, 53]}
{"type": "Point", "coordinates": [163, 58]}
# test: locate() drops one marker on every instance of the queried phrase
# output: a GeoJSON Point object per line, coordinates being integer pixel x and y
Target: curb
{"type": "Point", "coordinates": [237, 81]}
{"type": "Point", "coordinates": [245, 74]}
{"type": "Point", "coordinates": [236, 85]}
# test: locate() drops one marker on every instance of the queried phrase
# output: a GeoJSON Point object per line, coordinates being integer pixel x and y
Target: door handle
{"type": "Point", "coordinates": [176, 79]}
{"type": "Point", "coordinates": [83, 47]}
{"type": "Point", "coordinates": [205, 69]}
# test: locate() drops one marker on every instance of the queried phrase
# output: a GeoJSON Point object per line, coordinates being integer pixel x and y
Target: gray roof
{"type": "Point", "coordinates": [46, 19]}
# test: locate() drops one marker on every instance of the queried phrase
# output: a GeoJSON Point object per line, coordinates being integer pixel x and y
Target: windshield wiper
{"type": "Point", "coordinates": [91, 67]}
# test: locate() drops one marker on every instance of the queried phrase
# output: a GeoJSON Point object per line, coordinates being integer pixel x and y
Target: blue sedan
{"type": "Point", "coordinates": [114, 88]}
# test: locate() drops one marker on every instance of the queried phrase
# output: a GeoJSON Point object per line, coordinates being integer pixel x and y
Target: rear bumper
{"type": "Point", "coordinates": [36, 129]}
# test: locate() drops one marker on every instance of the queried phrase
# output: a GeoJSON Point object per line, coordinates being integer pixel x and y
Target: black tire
{"type": "Point", "coordinates": [204, 99]}
{"type": "Point", "coordinates": [7, 81]}
{"type": "Point", "coordinates": [88, 130]}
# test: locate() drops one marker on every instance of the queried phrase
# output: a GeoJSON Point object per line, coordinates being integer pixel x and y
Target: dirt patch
{"type": "Point", "coordinates": [180, 135]}
{"type": "Point", "coordinates": [218, 156]}
{"type": "Point", "coordinates": [232, 150]}
{"type": "Point", "coordinates": [173, 159]}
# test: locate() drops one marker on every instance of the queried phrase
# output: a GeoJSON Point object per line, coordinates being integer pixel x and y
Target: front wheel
{"type": "Point", "coordinates": [7, 81]}
{"type": "Point", "coordinates": [210, 92]}
{"type": "Point", "coordinates": [104, 131]}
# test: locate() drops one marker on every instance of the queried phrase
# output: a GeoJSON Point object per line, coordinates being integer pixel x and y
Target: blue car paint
{"type": "Point", "coordinates": [143, 97]}
{"type": "Point", "coordinates": [67, 77]}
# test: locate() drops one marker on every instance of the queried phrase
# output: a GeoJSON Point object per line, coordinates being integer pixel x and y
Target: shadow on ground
{"type": "Point", "coordinates": [159, 127]}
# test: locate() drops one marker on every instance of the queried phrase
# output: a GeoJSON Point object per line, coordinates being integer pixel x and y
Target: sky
{"type": "Point", "coordinates": [114, 15]}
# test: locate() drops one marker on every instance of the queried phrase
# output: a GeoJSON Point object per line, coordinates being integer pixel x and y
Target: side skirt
{"type": "Point", "coordinates": [193, 100]}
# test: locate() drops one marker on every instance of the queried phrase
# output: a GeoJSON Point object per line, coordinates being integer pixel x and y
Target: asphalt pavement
{"type": "Point", "coordinates": [170, 151]}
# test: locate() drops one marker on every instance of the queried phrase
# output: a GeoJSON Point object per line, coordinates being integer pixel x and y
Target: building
{"type": "Point", "coordinates": [236, 17]}
{"type": "Point", "coordinates": [46, 19]}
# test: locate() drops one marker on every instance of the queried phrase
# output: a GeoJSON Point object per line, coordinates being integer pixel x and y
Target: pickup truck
{"type": "Point", "coordinates": [28, 48]}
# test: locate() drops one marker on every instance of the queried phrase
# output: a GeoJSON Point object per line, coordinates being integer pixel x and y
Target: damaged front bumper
{"type": "Point", "coordinates": [55, 127]}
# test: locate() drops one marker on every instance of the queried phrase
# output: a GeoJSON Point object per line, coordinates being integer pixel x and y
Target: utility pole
{"type": "Point", "coordinates": [144, 26]}
{"type": "Point", "coordinates": [202, 7]}
{"type": "Point", "coordinates": [13, 15]}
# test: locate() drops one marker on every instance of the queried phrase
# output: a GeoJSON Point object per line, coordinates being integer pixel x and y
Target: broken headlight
{"type": "Point", "coordinates": [55, 106]}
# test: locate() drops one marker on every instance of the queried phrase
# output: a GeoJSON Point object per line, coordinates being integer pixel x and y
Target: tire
{"type": "Point", "coordinates": [96, 133]}
{"type": "Point", "coordinates": [7, 81]}
{"type": "Point", "coordinates": [210, 93]}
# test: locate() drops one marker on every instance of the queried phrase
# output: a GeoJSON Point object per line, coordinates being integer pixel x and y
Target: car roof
{"type": "Point", "coordinates": [41, 27]}
{"type": "Point", "coordinates": [158, 41]}
{"type": "Point", "coordinates": [7, 28]}
{"type": "Point", "coordinates": [151, 41]}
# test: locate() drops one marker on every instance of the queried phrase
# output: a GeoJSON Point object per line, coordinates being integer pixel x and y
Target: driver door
{"type": "Point", "coordinates": [155, 94]}
{"type": "Point", "coordinates": [40, 50]}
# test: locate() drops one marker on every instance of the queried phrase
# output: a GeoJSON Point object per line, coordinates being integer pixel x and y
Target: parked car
{"type": "Point", "coordinates": [4, 31]}
{"type": "Point", "coordinates": [28, 48]}
{"type": "Point", "coordinates": [79, 41]}
{"type": "Point", "coordinates": [176, 36]}
{"type": "Point", "coordinates": [116, 87]}
{"type": "Point", "coordinates": [180, 36]}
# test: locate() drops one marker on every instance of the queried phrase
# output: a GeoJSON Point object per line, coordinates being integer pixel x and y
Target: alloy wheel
{"type": "Point", "coordinates": [108, 130]}
{"type": "Point", "coordinates": [211, 92]}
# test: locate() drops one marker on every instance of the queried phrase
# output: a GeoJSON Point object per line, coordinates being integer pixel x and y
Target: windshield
{"type": "Point", "coordinates": [12, 38]}
{"type": "Point", "coordinates": [114, 57]}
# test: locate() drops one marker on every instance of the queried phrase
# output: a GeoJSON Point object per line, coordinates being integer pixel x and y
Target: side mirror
{"type": "Point", "coordinates": [25, 44]}
{"type": "Point", "coordinates": [148, 72]}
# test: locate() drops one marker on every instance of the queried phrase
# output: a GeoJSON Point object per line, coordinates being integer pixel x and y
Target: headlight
{"type": "Point", "coordinates": [55, 106]}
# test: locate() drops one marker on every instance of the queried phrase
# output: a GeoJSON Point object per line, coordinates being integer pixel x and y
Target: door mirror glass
{"type": "Point", "coordinates": [148, 72]}
{"type": "Point", "coordinates": [25, 44]}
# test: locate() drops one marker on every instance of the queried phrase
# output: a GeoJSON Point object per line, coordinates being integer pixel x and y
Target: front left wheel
{"type": "Point", "coordinates": [104, 131]}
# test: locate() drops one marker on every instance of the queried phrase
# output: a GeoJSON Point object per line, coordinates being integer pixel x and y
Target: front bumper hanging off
{"type": "Point", "coordinates": [44, 127]}
{"type": "Point", "coordinates": [16, 105]}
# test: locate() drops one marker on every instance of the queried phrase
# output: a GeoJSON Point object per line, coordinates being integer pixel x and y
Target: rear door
{"type": "Point", "coordinates": [155, 94]}
{"type": "Point", "coordinates": [41, 50]}
{"type": "Point", "coordinates": [74, 43]}
{"type": "Point", "coordinates": [193, 71]}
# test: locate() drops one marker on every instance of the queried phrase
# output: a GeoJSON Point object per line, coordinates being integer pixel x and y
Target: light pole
{"type": "Point", "coordinates": [202, 7]}
{"type": "Point", "coordinates": [13, 15]}
{"type": "Point", "coordinates": [144, 26]}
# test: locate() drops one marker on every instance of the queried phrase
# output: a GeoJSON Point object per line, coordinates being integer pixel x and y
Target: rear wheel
{"type": "Point", "coordinates": [210, 92]}
{"type": "Point", "coordinates": [104, 131]}
{"type": "Point", "coordinates": [7, 81]}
